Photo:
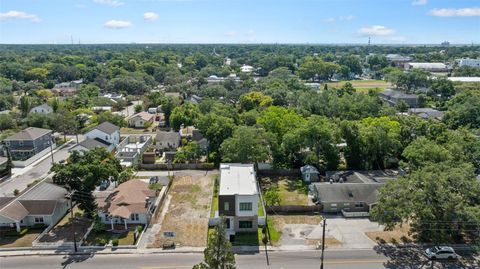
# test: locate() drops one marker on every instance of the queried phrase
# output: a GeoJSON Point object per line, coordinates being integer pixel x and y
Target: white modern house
{"type": "Point", "coordinates": [44, 109]}
{"type": "Point", "coordinates": [238, 197]}
{"type": "Point", "coordinates": [475, 63]}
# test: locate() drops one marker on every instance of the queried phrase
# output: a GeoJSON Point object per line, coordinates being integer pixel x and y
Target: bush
{"type": "Point", "coordinates": [139, 228]}
{"type": "Point", "coordinates": [102, 241]}
{"type": "Point", "coordinates": [115, 242]}
{"type": "Point", "coordinates": [16, 192]}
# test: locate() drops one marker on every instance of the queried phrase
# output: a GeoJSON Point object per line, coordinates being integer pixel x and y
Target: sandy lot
{"type": "Point", "coordinates": [188, 210]}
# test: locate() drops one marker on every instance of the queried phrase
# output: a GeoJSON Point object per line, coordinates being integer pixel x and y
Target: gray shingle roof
{"type": "Point", "coordinates": [107, 127]}
{"type": "Point", "coordinates": [347, 192]}
{"type": "Point", "coordinates": [170, 137]}
{"type": "Point", "coordinates": [94, 143]}
{"type": "Point", "coordinates": [44, 191]}
{"type": "Point", "coordinates": [30, 133]}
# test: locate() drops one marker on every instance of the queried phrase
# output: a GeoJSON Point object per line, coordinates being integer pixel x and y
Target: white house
{"type": "Point", "coordinates": [475, 63]}
{"type": "Point", "coordinates": [246, 68]}
{"type": "Point", "coordinates": [138, 120]}
{"type": "Point", "coordinates": [44, 109]}
{"type": "Point", "coordinates": [104, 135]}
{"type": "Point", "coordinates": [238, 197]}
{"type": "Point", "coordinates": [431, 67]}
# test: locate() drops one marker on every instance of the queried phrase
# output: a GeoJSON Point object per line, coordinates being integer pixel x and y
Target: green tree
{"type": "Point", "coordinates": [25, 105]}
{"type": "Point", "coordinates": [272, 195]}
{"type": "Point", "coordinates": [218, 254]}
{"type": "Point", "coordinates": [254, 100]}
{"type": "Point", "coordinates": [248, 144]}
{"type": "Point", "coordinates": [138, 108]}
{"type": "Point", "coordinates": [191, 152]}
{"type": "Point", "coordinates": [186, 114]}
{"type": "Point", "coordinates": [463, 110]}
{"type": "Point", "coordinates": [439, 200]}
{"type": "Point", "coordinates": [216, 128]}
{"type": "Point", "coordinates": [112, 118]}
{"type": "Point", "coordinates": [83, 172]}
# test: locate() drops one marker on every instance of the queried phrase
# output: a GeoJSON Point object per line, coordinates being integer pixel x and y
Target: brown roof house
{"type": "Point", "coordinates": [132, 202]}
{"type": "Point", "coordinates": [138, 120]}
{"type": "Point", "coordinates": [45, 203]}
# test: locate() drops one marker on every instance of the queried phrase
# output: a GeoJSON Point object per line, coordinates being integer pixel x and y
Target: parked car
{"type": "Point", "coordinates": [441, 253]}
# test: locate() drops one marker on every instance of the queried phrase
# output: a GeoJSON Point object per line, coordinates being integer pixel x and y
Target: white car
{"type": "Point", "coordinates": [441, 253]}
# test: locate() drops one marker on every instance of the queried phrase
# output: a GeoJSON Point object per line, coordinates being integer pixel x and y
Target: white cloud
{"type": "Point", "coordinates": [231, 34]}
{"type": "Point", "coordinates": [452, 12]}
{"type": "Point", "coordinates": [375, 30]}
{"type": "Point", "coordinates": [419, 2]}
{"type": "Point", "coordinates": [18, 15]}
{"type": "Point", "coordinates": [150, 16]}
{"type": "Point", "coordinates": [116, 24]}
{"type": "Point", "coordinates": [112, 3]}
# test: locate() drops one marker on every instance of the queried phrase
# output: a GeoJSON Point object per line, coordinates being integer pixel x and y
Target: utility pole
{"type": "Point", "coordinates": [73, 222]}
{"type": "Point", "coordinates": [51, 148]}
{"type": "Point", "coordinates": [323, 240]}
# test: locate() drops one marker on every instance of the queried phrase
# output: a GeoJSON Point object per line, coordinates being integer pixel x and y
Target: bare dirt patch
{"type": "Point", "coordinates": [189, 209]}
{"type": "Point", "coordinates": [398, 235]}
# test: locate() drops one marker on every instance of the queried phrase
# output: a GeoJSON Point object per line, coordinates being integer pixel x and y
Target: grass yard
{"type": "Point", "coordinates": [248, 238]}
{"type": "Point", "coordinates": [275, 232]}
{"type": "Point", "coordinates": [102, 238]}
{"type": "Point", "coordinates": [214, 207]}
{"type": "Point", "coordinates": [292, 190]}
{"type": "Point", "coordinates": [360, 84]}
{"type": "Point", "coordinates": [22, 239]}
{"type": "Point", "coordinates": [398, 235]}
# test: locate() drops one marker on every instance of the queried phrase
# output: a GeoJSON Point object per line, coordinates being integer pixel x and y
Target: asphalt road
{"type": "Point", "coordinates": [34, 172]}
{"type": "Point", "coordinates": [334, 259]}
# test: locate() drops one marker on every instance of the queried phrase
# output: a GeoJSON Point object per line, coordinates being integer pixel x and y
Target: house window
{"type": "Point", "coordinates": [20, 142]}
{"type": "Point", "coordinates": [106, 137]}
{"type": "Point", "coordinates": [245, 206]}
{"type": "Point", "coordinates": [38, 220]}
{"type": "Point", "coordinates": [7, 143]}
{"type": "Point", "coordinates": [227, 223]}
{"type": "Point", "coordinates": [346, 204]}
{"type": "Point", "coordinates": [134, 217]}
{"type": "Point", "coordinates": [226, 206]}
{"type": "Point", "coordinates": [358, 205]}
{"type": "Point", "coordinates": [245, 224]}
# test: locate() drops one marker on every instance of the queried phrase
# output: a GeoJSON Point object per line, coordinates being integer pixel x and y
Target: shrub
{"type": "Point", "coordinates": [102, 241]}
{"type": "Point", "coordinates": [139, 228]}
{"type": "Point", "coordinates": [16, 192]}
{"type": "Point", "coordinates": [115, 242]}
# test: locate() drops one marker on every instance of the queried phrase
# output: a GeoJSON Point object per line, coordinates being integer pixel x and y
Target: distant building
{"type": "Point", "coordinates": [138, 120]}
{"type": "Point", "coordinates": [246, 68]}
{"type": "Point", "coordinates": [29, 145]}
{"type": "Point", "coordinates": [426, 113]}
{"type": "Point", "coordinates": [430, 67]}
{"type": "Point", "coordinates": [43, 109]}
{"type": "Point", "coordinates": [238, 197]}
{"type": "Point", "coordinates": [67, 88]}
{"type": "Point", "coordinates": [394, 96]}
{"type": "Point", "coordinates": [227, 61]}
{"type": "Point", "coordinates": [98, 109]}
{"type": "Point", "coordinates": [475, 63]}
{"type": "Point", "coordinates": [464, 79]}
{"type": "Point", "coordinates": [310, 174]}
{"type": "Point", "coordinates": [398, 60]}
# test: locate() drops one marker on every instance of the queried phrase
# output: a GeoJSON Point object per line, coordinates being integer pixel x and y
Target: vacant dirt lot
{"type": "Point", "coordinates": [398, 235]}
{"type": "Point", "coordinates": [188, 211]}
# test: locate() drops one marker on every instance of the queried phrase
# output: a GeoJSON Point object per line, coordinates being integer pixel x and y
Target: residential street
{"type": "Point", "coordinates": [36, 171]}
{"type": "Point", "coordinates": [334, 259]}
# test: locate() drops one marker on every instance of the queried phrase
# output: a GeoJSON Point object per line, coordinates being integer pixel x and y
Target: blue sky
{"type": "Point", "coordinates": [240, 21]}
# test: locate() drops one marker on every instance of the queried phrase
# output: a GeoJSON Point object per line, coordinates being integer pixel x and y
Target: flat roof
{"type": "Point", "coordinates": [238, 179]}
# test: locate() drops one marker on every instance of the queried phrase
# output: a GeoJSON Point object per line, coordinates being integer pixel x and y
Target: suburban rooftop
{"type": "Point", "coordinates": [237, 179]}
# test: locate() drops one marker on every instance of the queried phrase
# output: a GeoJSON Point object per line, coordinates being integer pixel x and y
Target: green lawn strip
{"type": "Point", "coordinates": [22, 239]}
{"type": "Point", "coordinates": [260, 209]}
{"type": "Point", "coordinates": [247, 238]}
{"type": "Point", "coordinates": [214, 207]}
{"type": "Point", "coordinates": [293, 192]}
{"type": "Point", "coordinates": [274, 234]}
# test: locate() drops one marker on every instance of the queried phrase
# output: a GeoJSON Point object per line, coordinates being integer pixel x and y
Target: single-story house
{"type": "Point", "coordinates": [168, 140]}
{"type": "Point", "coordinates": [426, 113]}
{"type": "Point", "coordinates": [43, 109]}
{"type": "Point", "coordinates": [310, 173]}
{"type": "Point", "coordinates": [132, 202]}
{"type": "Point", "coordinates": [393, 97]}
{"type": "Point", "coordinates": [138, 120]}
{"type": "Point", "coordinates": [45, 203]}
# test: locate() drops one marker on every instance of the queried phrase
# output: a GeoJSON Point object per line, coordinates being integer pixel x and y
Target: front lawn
{"type": "Point", "coordinates": [103, 238]}
{"type": "Point", "coordinates": [291, 190]}
{"type": "Point", "coordinates": [22, 239]}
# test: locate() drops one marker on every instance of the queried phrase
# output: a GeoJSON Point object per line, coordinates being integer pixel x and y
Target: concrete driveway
{"type": "Point", "coordinates": [350, 232]}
